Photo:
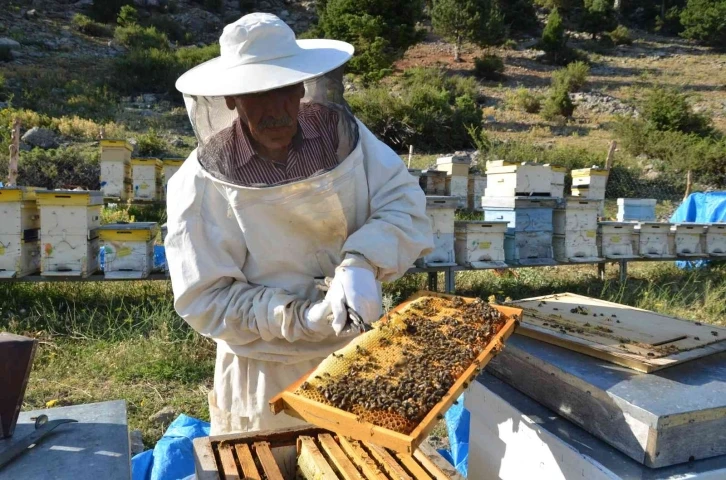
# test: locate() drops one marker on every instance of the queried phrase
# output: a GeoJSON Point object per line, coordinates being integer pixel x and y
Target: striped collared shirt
{"type": "Point", "coordinates": [313, 151]}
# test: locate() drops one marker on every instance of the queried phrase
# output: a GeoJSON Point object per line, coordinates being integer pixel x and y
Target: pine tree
{"type": "Point", "coordinates": [478, 21]}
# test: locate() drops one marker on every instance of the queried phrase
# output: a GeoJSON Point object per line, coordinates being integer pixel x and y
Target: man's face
{"type": "Point", "coordinates": [270, 116]}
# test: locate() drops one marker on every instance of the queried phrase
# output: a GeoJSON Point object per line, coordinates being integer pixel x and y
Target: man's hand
{"type": "Point", "coordinates": [318, 318]}
{"type": "Point", "coordinates": [353, 287]}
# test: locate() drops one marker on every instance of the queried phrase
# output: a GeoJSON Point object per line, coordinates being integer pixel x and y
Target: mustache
{"type": "Point", "coordinates": [275, 122]}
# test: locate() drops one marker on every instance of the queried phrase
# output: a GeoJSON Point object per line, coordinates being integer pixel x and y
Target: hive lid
{"type": "Point", "coordinates": [586, 172]}
{"type": "Point", "coordinates": [635, 202]}
{"type": "Point", "coordinates": [433, 173]}
{"type": "Point", "coordinates": [480, 225]}
{"type": "Point", "coordinates": [146, 161]}
{"type": "Point", "coordinates": [459, 159]}
{"type": "Point", "coordinates": [69, 197]}
{"type": "Point", "coordinates": [557, 168]}
{"type": "Point", "coordinates": [519, 202]}
{"type": "Point", "coordinates": [173, 162]}
{"type": "Point", "coordinates": [130, 226]}
{"type": "Point", "coordinates": [17, 194]}
{"type": "Point", "coordinates": [117, 144]}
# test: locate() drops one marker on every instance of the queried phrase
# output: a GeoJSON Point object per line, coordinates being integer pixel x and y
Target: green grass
{"type": "Point", "coordinates": [104, 341]}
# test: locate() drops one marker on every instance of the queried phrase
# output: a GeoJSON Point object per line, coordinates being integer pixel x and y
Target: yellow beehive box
{"type": "Point", "coordinates": [69, 255]}
{"type": "Point", "coordinates": [116, 151]}
{"type": "Point", "coordinates": [171, 166]}
{"type": "Point", "coordinates": [18, 211]}
{"type": "Point", "coordinates": [18, 257]}
{"type": "Point", "coordinates": [128, 249]}
{"type": "Point", "coordinates": [594, 178]}
{"type": "Point", "coordinates": [69, 212]}
{"type": "Point", "coordinates": [146, 173]}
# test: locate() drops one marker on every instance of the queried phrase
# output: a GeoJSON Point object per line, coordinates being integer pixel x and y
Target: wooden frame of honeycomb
{"type": "Point", "coordinates": [391, 385]}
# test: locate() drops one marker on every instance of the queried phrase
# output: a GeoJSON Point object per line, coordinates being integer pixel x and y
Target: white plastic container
{"type": "Point", "coordinates": [475, 190]}
{"type": "Point", "coordinates": [716, 239]}
{"type": "Point", "coordinates": [115, 166]}
{"type": "Point", "coordinates": [146, 178]}
{"type": "Point", "coordinates": [636, 209]}
{"type": "Point", "coordinates": [690, 239]}
{"type": "Point", "coordinates": [579, 214]}
{"type": "Point", "coordinates": [509, 180]}
{"type": "Point", "coordinates": [576, 247]}
{"type": "Point", "coordinates": [480, 244]}
{"type": "Point", "coordinates": [128, 249]}
{"type": "Point", "coordinates": [618, 240]}
{"type": "Point", "coordinates": [655, 240]}
{"type": "Point", "coordinates": [441, 211]}
{"type": "Point", "coordinates": [171, 166]}
{"type": "Point", "coordinates": [558, 181]}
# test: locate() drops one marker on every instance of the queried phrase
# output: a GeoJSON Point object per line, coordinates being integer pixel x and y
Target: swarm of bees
{"type": "Point", "coordinates": [395, 374]}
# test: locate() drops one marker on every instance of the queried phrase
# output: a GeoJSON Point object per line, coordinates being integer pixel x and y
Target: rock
{"type": "Point", "coordinates": [31, 14]}
{"type": "Point", "coordinates": [149, 98]}
{"type": "Point", "coordinates": [136, 442]}
{"type": "Point", "coordinates": [178, 142]}
{"type": "Point", "coordinates": [24, 147]}
{"type": "Point", "coordinates": [163, 416]}
{"type": "Point", "coordinates": [9, 43]}
{"type": "Point", "coordinates": [40, 137]}
{"type": "Point", "coordinates": [284, 14]}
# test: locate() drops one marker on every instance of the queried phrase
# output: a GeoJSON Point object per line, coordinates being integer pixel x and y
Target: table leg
{"type": "Point", "coordinates": [450, 276]}
{"type": "Point", "coordinates": [601, 271]}
{"type": "Point", "coordinates": [623, 271]}
{"type": "Point", "coordinates": [433, 281]}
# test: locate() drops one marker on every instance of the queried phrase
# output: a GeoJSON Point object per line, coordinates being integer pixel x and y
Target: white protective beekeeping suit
{"type": "Point", "coordinates": [243, 260]}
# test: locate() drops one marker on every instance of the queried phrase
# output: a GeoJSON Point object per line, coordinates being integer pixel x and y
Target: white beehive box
{"type": "Point", "coordinates": [716, 239]}
{"type": "Point", "coordinates": [171, 166]}
{"type": "Point", "coordinates": [475, 190]}
{"type": "Point", "coordinates": [636, 209]}
{"type": "Point", "coordinates": [529, 248]}
{"type": "Point", "coordinates": [19, 214]}
{"type": "Point", "coordinates": [456, 165]}
{"type": "Point", "coordinates": [558, 181]}
{"type": "Point", "coordinates": [618, 240]}
{"type": "Point", "coordinates": [69, 255]}
{"type": "Point", "coordinates": [457, 186]}
{"type": "Point", "coordinates": [69, 212]}
{"type": "Point", "coordinates": [576, 247]}
{"type": "Point", "coordinates": [18, 257]}
{"type": "Point", "coordinates": [115, 165]}
{"type": "Point", "coordinates": [128, 249]}
{"type": "Point", "coordinates": [146, 178]}
{"type": "Point", "coordinates": [510, 180]}
{"type": "Point", "coordinates": [480, 244]}
{"type": "Point", "coordinates": [433, 182]}
{"type": "Point", "coordinates": [690, 239]}
{"type": "Point", "coordinates": [441, 211]}
{"type": "Point", "coordinates": [655, 240]}
{"type": "Point", "coordinates": [578, 215]}
{"type": "Point", "coordinates": [589, 177]}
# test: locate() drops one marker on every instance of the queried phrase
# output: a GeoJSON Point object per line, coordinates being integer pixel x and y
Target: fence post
{"type": "Point", "coordinates": [689, 184]}
{"type": "Point", "coordinates": [14, 153]}
{"type": "Point", "coordinates": [410, 155]}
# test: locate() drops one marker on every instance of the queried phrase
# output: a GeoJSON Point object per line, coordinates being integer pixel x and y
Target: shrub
{"type": "Point", "coordinates": [524, 100]}
{"type": "Point", "coordinates": [137, 37]}
{"type": "Point", "coordinates": [85, 25]}
{"type": "Point", "coordinates": [172, 29]}
{"type": "Point", "coordinates": [671, 24]}
{"type": "Point", "coordinates": [478, 21]}
{"type": "Point", "coordinates": [571, 78]}
{"type": "Point", "coordinates": [2, 87]}
{"type": "Point", "coordinates": [59, 167]}
{"type": "Point", "coordinates": [115, 215]}
{"type": "Point", "coordinates": [558, 104]}
{"type": "Point", "coordinates": [127, 16]}
{"type": "Point", "coordinates": [621, 36]}
{"type": "Point", "coordinates": [705, 21]}
{"type": "Point", "coordinates": [425, 108]}
{"type": "Point", "coordinates": [554, 40]}
{"type": "Point", "coordinates": [519, 15]}
{"type": "Point", "coordinates": [214, 5]}
{"type": "Point", "coordinates": [151, 144]}
{"type": "Point", "coordinates": [598, 16]}
{"type": "Point", "coordinates": [489, 67]}
{"type": "Point", "coordinates": [106, 11]}
{"type": "Point", "coordinates": [668, 109]}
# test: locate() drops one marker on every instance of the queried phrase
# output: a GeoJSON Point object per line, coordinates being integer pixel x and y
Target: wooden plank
{"type": "Point", "coordinates": [439, 462]}
{"type": "Point", "coordinates": [269, 465]}
{"type": "Point", "coordinates": [244, 455]}
{"type": "Point", "coordinates": [340, 461]}
{"type": "Point", "coordinates": [430, 466]}
{"type": "Point", "coordinates": [205, 463]}
{"type": "Point", "coordinates": [311, 462]}
{"type": "Point", "coordinates": [283, 437]}
{"type": "Point", "coordinates": [413, 466]}
{"type": "Point", "coordinates": [358, 455]}
{"type": "Point", "coordinates": [229, 466]}
{"type": "Point", "coordinates": [388, 463]}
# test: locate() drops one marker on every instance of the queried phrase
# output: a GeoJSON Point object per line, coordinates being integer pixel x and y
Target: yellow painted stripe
{"type": "Point", "coordinates": [126, 235]}
{"type": "Point", "coordinates": [116, 144]}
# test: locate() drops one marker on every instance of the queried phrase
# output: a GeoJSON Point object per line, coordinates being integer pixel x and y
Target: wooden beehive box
{"type": "Point", "coordinates": [311, 453]}
{"type": "Point", "coordinates": [618, 240]}
{"type": "Point", "coordinates": [18, 257]}
{"type": "Point", "coordinates": [592, 178]}
{"type": "Point", "coordinates": [115, 165]}
{"type": "Point", "coordinates": [146, 178]}
{"type": "Point", "coordinates": [458, 186]}
{"type": "Point", "coordinates": [475, 190]}
{"type": "Point", "coordinates": [716, 239]}
{"type": "Point", "coordinates": [433, 182]}
{"type": "Point", "coordinates": [576, 247]}
{"type": "Point", "coordinates": [578, 215]}
{"type": "Point", "coordinates": [480, 244]}
{"type": "Point", "coordinates": [69, 212]}
{"type": "Point", "coordinates": [19, 227]}
{"type": "Point", "coordinates": [441, 212]}
{"type": "Point", "coordinates": [357, 392]}
{"type": "Point", "coordinates": [558, 181]}
{"type": "Point", "coordinates": [636, 209]}
{"type": "Point", "coordinates": [16, 360]}
{"type": "Point", "coordinates": [128, 249]}
{"type": "Point", "coordinates": [655, 240]}
{"type": "Point", "coordinates": [690, 239]}
{"type": "Point", "coordinates": [524, 179]}
{"type": "Point", "coordinates": [171, 166]}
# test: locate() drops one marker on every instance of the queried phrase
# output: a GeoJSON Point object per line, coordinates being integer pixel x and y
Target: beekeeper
{"type": "Point", "coordinates": [285, 187]}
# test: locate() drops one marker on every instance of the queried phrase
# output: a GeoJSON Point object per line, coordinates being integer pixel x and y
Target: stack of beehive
{"type": "Point", "coordinates": [116, 169]}
{"type": "Point", "coordinates": [521, 195]}
{"type": "Point", "coordinates": [441, 209]}
{"type": "Point", "coordinates": [147, 184]}
{"type": "Point", "coordinates": [590, 183]}
{"type": "Point", "coordinates": [575, 230]}
{"type": "Point", "coordinates": [19, 226]}
{"type": "Point", "coordinates": [457, 176]}
{"type": "Point", "coordinates": [69, 222]}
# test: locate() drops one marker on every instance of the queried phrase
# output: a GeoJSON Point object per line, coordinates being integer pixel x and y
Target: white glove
{"type": "Point", "coordinates": [318, 319]}
{"type": "Point", "coordinates": [353, 287]}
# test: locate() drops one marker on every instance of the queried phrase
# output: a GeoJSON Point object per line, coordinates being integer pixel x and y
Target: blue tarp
{"type": "Point", "coordinates": [457, 426]}
{"type": "Point", "coordinates": [173, 456]}
{"type": "Point", "coordinates": [700, 208]}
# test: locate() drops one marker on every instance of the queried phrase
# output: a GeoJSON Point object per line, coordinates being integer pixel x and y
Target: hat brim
{"type": "Point", "coordinates": [213, 78]}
